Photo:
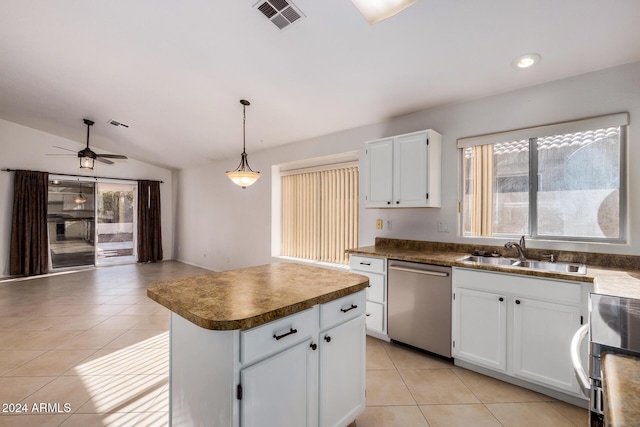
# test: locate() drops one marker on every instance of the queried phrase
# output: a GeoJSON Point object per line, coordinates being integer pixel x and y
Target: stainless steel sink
{"type": "Point", "coordinates": [489, 260]}
{"type": "Point", "coordinates": [560, 267]}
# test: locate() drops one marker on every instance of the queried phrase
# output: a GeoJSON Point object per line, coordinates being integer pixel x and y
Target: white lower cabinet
{"type": "Point", "coordinates": [480, 328]}
{"type": "Point", "coordinates": [519, 326]}
{"type": "Point", "coordinates": [542, 332]}
{"type": "Point", "coordinates": [280, 391]}
{"type": "Point", "coordinates": [307, 369]}
{"type": "Point", "coordinates": [375, 317]}
{"type": "Point", "coordinates": [376, 270]}
{"type": "Point", "coordinates": [342, 373]}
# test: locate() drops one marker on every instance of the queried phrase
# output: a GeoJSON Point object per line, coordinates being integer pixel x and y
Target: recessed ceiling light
{"type": "Point", "coordinates": [526, 60]}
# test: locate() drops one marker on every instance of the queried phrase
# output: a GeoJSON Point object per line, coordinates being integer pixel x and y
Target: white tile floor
{"type": "Point", "coordinates": [90, 349]}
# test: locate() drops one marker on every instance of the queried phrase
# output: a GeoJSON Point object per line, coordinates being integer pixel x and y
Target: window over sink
{"type": "Point", "coordinates": [564, 181]}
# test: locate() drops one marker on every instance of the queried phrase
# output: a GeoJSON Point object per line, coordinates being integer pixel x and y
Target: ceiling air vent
{"type": "Point", "coordinates": [116, 123]}
{"type": "Point", "coordinates": [281, 13]}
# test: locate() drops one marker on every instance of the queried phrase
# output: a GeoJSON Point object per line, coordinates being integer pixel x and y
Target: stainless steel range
{"type": "Point", "coordinates": [614, 326]}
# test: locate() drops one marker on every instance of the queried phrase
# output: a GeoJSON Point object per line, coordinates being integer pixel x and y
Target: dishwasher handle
{"type": "Point", "coordinates": [427, 272]}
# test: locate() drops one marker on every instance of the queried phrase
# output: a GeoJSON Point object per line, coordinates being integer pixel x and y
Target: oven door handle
{"type": "Point", "coordinates": [578, 369]}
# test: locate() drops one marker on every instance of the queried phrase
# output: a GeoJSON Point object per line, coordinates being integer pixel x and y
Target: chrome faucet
{"type": "Point", "coordinates": [520, 247]}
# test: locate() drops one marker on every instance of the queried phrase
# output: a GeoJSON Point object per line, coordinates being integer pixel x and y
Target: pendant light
{"type": "Point", "coordinates": [80, 198]}
{"type": "Point", "coordinates": [243, 176]}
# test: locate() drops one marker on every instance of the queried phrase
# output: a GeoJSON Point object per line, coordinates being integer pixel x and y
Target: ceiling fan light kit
{"type": "Point", "coordinates": [88, 157]}
{"type": "Point", "coordinates": [243, 175]}
{"type": "Point", "coordinates": [86, 160]}
{"type": "Point", "coordinates": [375, 11]}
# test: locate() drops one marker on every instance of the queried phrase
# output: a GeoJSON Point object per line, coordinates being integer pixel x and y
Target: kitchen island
{"type": "Point", "coordinates": [274, 345]}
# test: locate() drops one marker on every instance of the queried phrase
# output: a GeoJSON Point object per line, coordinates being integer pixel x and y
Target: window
{"type": "Point", "coordinates": [320, 212]}
{"type": "Point", "coordinates": [560, 182]}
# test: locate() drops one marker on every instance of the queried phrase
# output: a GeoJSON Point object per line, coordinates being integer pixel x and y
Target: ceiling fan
{"type": "Point", "coordinates": [87, 156]}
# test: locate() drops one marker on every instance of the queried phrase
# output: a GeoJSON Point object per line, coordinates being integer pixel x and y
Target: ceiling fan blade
{"type": "Point", "coordinates": [103, 160]}
{"type": "Point", "coordinates": [66, 149]}
{"type": "Point", "coordinates": [112, 156]}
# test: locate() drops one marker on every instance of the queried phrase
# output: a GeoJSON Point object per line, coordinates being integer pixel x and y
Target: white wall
{"type": "Point", "coordinates": [222, 226]}
{"type": "Point", "coordinates": [22, 147]}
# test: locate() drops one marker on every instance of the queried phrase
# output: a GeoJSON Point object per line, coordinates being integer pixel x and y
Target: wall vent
{"type": "Point", "coordinates": [282, 13]}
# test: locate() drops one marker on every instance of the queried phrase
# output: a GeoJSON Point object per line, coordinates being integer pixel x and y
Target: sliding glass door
{"type": "Point", "coordinates": [71, 223]}
{"type": "Point", "coordinates": [91, 223]}
{"type": "Point", "coordinates": [116, 223]}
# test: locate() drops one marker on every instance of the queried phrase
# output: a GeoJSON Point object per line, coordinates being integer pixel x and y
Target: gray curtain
{"type": "Point", "coordinates": [149, 222]}
{"type": "Point", "coordinates": [29, 248]}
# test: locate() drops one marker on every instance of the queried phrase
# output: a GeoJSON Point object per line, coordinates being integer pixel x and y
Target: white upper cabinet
{"type": "Point", "coordinates": [404, 171]}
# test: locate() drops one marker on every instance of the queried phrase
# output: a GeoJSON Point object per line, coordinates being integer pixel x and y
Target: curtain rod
{"type": "Point", "coordinates": [83, 176]}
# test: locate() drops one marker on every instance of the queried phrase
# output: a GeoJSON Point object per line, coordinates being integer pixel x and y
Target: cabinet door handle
{"type": "Point", "coordinates": [500, 299]}
{"type": "Point", "coordinates": [327, 338]}
{"type": "Point", "coordinates": [397, 202]}
{"type": "Point", "coordinates": [368, 314]}
{"type": "Point", "coordinates": [517, 301]}
{"type": "Point", "coordinates": [344, 310]}
{"type": "Point", "coordinates": [279, 337]}
{"type": "Point", "coordinates": [313, 346]}
{"type": "Point", "coordinates": [388, 203]}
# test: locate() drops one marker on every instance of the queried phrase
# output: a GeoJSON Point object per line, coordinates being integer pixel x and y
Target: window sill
{"type": "Point", "coordinates": [316, 263]}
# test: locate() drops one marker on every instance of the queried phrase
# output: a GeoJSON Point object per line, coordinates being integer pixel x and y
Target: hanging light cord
{"type": "Point", "coordinates": [244, 126]}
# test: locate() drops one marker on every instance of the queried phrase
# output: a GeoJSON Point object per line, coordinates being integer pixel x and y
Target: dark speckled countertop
{"type": "Point", "coordinates": [621, 390]}
{"type": "Point", "coordinates": [617, 275]}
{"type": "Point", "coordinates": [610, 274]}
{"type": "Point", "coordinates": [248, 297]}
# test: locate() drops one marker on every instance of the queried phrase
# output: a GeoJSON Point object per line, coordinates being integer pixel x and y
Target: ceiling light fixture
{"type": "Point", "coordinates": [526, 60]}
{"type": "Point", "coordinates": [86, 158]}
{"type": "Point", "coordinates": [243, 176]}
{"type": "Point", "coordinates": [80, 198]}
{"type": "Point", "coordinates": [375, 11]}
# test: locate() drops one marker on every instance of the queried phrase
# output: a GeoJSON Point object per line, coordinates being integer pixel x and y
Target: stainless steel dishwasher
{"type": "Point", "coordinates": [419, 306]}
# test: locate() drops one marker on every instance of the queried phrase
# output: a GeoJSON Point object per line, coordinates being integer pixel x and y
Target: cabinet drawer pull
{"type": "Point", "coordinates": [365, 263]}
{"type": "Point", "coordinates": [279, 337]}
{"type": "Point", "coordinates": [313, 346]}
{"type": "Point", "coordinates": [344, 310]}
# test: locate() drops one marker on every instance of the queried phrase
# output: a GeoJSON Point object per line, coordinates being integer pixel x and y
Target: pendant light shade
{"type": "Point", "coordinates": [375, 11]}
{"type": "Point", "coordinates": [243, 176]}
{"type": "Point", "coordinates": [80, 198]}
{"type": "Point", "coordinates": [86, 163]}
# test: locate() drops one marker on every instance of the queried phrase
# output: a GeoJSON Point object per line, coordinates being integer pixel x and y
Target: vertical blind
{"type": "Point", "coordinates": [320, 213]}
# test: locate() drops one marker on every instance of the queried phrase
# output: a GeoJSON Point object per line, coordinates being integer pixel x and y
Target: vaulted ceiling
{"type": "Point", "coordinates": [174, 71]}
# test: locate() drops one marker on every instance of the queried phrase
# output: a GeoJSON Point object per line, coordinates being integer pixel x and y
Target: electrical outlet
{"type": "Point", "coordinates": [379, 224]}
{"type": "Point", "coordinates": [388, 224]}
{"type": "Point", "coordinates": [443, 227]}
